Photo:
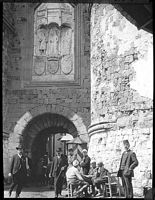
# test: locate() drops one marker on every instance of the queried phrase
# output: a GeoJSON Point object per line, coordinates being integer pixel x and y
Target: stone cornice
{"type": "Point", "coordinates": [5, 135]}
{"type": "Point", "coordinates": [100, 127]}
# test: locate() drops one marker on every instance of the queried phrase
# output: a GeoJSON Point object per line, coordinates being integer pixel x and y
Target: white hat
{"type": "Point", "coordinates": [84, 150]}
{"type": "Point", "coordinates": [75, 163]}
{"type": "Point", "coordinates": [93, 161]}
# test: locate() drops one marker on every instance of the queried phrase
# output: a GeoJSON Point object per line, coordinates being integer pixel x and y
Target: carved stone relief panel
{"type": "Point", "coordinates": [53, 42]}
{"type": "Point", "coordinates": [39, 65]}
{"type": "Point", "coordinates": [41, 42]}
{"type": "Point", "coordinates": [66, 41]}
{"type": "Point", "coordinates": [53, 58]}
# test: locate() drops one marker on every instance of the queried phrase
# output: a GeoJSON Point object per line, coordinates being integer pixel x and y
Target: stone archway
{"type": "Point", "coordinates": [45, 125]}
{"type": "Point", "coordinates": [42, 134]}
{"type": "Point", "coordinates": [27, 117]}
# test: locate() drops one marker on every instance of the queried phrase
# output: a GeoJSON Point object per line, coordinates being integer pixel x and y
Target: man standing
{"type": "Point", "coordinates": [58, 171]}
{"type": "Point", "coordinates": [127, 165]}
{"type": "Point", "coordinates": [18, 171]}
{"type": "Point", "coordinates": [28, 167]}
{"type": "Point", "coordinates": [85, 163]}
{"type": "Point", "coordinates": [45, 164]}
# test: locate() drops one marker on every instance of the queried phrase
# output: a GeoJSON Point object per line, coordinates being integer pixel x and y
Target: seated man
{"type": "Point", "coordinates": [74, 177]}
{"type": "Point", "coordinates": [101, 179]}
{"type": "Point", "coordinates": [91, 176]}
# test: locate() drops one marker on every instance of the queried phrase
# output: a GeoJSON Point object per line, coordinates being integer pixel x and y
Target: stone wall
{"type": "Point", "coordinates": [21, 100]}
{"type": "Point", "coordinates": [8, 34]}
{"type": "Point", "coordinates": [121, 95]}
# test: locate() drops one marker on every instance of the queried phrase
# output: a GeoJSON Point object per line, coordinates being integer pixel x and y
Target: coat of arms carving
{"type": "Point", "coordinates": [66, 64]}
{"type": "Point", "coordinates": [52, 66]}
{"type": "Point", "coordinates": [53, 41]}
{"type": "Point", "coordinates": [39, 66]}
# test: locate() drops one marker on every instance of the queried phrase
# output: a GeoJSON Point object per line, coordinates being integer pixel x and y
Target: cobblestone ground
{"type": "Point", "coordinates": [40, 192]}
{"type": "Point", "coordinates": [34, 192]}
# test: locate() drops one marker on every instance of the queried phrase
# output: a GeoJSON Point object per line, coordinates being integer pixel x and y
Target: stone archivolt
{"type": "Point", "coordinates": [53, 39]}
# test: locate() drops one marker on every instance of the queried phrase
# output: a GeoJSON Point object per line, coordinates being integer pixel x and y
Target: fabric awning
{"type": "Point", "coordinates": [77, 140]}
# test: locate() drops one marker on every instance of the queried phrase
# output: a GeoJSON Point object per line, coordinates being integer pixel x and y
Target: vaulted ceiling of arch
{"type": "Point", "coordinates": [49, 123]}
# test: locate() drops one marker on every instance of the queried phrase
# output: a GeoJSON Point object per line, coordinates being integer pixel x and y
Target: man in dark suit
{"type": "Point", "coordinates": [28, 168]}
{"type": "Point", "coordinates": [58, 171]}
{"type": "Point", "coordinates": [101, 177]}
{"type": "Point", "coordinates": [85, 163]}
{"type": "Point", "coordinates": [127, 165]}
{"type": "Point", "coordinates": [17, 171]}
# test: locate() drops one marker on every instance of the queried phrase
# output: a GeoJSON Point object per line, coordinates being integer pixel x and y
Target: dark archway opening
{"type": "Point", "coordinates": [42, 135]}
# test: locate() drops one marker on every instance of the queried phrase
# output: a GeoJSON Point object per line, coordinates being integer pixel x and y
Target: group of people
{"type": "Point", "coordinates": [82, 175]}
{"type": "Point", "coordinates": [66, 169]}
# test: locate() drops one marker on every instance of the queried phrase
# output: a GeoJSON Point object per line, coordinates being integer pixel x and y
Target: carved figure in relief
{"type": "Point", "coordinates": [41, 42]}
{"type": "Point", "coordinates": [53, 40]}
{"type": "Point", "coordinates": [66, 41]}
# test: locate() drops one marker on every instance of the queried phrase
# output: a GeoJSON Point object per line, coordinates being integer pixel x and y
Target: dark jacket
{"type": "Point", "coordinates": [86, 165]}
{"type": "Point", "coordinates": [103, 172]}
{"type": "Point", "coordinates": [58, 164]}
{"type": "Point", "coordinates": [16, 164]}
{"type": "Point", "coordinates": [130, 164]}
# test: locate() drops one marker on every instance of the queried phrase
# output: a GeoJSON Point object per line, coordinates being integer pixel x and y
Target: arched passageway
{"type": "Point", "coordinates": [42, 134]}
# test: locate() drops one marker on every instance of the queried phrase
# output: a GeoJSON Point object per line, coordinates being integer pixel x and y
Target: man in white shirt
{"type": "Point", "coordinates": [74, 177]}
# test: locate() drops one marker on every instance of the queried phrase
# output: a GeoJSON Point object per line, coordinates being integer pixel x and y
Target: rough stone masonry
{"type": "Point", "coordinates": [121, 93]}
{"type": "Point", "coordinates": [121, 102]}
{"type": "Point", "coordinates": [18, 100]}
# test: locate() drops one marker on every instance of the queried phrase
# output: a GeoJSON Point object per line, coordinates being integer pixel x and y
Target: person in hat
{"type": "Point", "coordinates": [75, 178]}
{"type": "Point", "coordinates": [101, 178]}
{"type": "Point", "coordinates": [28, 167]}
{"type": "Point", "coordinates": [85, 163]}
{"type": "Point", "coordinates": [18, 171]}
{"type": "Point", "coordinates": [45, 164]}
{"type": "Point", "coordinates": [92, 175]}
{"type": "Point", "coordinates": [127, 165]}
{"type": "Point", "coordinates": [58, 171]}
{"type": "Point", "coordinates": [71, 157]}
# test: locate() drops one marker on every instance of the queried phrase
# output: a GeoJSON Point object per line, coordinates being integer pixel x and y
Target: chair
{"type": "Point", "coordinates": [112, 187]}
{"type": "Point", "coordinates": [69, 190]}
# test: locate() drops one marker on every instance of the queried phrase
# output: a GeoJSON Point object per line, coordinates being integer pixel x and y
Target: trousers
{"type": "Point", "coordinates": [127, 185]}
{"type": "Point", "coordinates": [17, 180]}
{"type": "Point", "coordinates": [58, 183]}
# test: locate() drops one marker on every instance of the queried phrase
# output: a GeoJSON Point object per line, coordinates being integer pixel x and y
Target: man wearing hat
{"type": "Point", "coordinates": [101, 177]}
{"type": "Point", "coordinates": [75, 178]}
{"type": "Point", "coordinates": [17, 171]}
{"type": "Point", "coordinates": [58, 170]}
{"type": "Point", "coordinates": [127, 165]}
{"type": "Point", "coordinates": [85, 163]}
{"type": "Point", "coordinates": [28, 167]}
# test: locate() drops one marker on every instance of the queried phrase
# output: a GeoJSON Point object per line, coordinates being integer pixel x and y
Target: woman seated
{"type": "Point", "coordinates": [74, 177]}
